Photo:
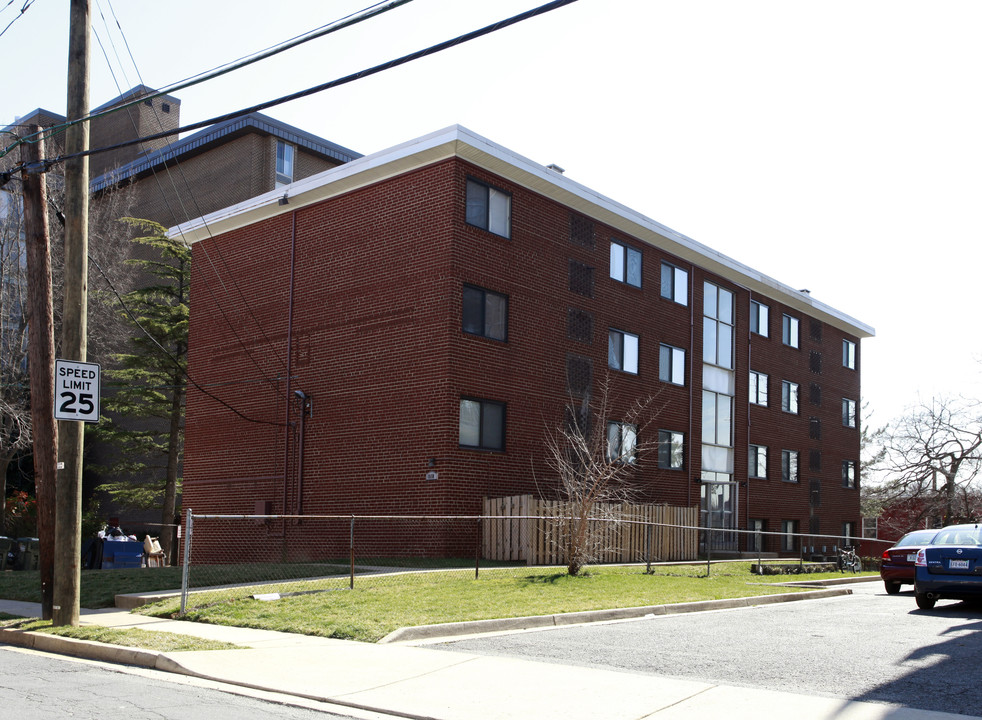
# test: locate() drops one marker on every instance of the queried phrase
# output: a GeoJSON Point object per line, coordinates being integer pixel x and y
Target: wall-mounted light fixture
{"type": "Point", "coordinates": [285, 200]}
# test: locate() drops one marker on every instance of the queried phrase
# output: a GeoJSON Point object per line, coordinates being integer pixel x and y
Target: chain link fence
{"type": "Point", "coordinates": [226, 557]}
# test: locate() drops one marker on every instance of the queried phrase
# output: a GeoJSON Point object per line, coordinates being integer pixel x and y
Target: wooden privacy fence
{"type": "Point", "coordinates": [526, 529]}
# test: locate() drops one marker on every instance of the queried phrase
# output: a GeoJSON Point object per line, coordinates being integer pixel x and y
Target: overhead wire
{"type": "Point", "coordinates": [24, 9]}
{"type": "Point", "coordinates": [272, 381]}
{"type": "Point", "coordinates": [347, 21]}
{"type": "Point", "coordinates": [269, 380]}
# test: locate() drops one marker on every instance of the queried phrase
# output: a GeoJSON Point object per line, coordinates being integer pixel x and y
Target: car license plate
{"type": "Point", "coordinates": [958, 564]}
{"type": "Point", "coordinates": [911, 557]}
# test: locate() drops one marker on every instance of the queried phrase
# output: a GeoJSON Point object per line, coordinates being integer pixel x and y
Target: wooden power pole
{"type": "Point", "coordinates": [68, 541]}
{"type": "Point", "coordinates": [41, 357]}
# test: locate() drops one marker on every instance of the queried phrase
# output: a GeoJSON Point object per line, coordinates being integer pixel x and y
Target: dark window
{"type": "Point", "coordinates": [577, 420]}
{"type": "Point", "coordinates": [759, 318]}
{"type": "Point", "coordinates": [488, 208]}
{"type": "Point", "coordinates": [622, 441]}
{"type": "Point", "coordinates": [579, 374]}
{"type": "Point", "coordinates": [625, 264]}
{"type": "Point", "coordinates": [815, 394]}
{"type": "Point", "coordinates": [815, 460]}
{"type": "Point", "coordinates": [671, 364]}
{"type": "Point", "coordinates": [849, 473]}
{"type": "Point", "coordinates": [815, 361]}
{"type": "Point", "coordinates": [789, 331]}
{"type": "Point", "coordinates": [815, 329]}
{"type": "Point", "coordinates": [671, 450]}
{"type": "Point", "coordinates": [815, 428]}
{"type": "Point", "coordinates": [579, 325]}
{"type": "Point", "coordinates": [580, 278]}
{"type": "Point", "coordinates": [622, 351]}
{"type": "Point", "coordinates": [814, 525]}
{"type": "Point", "coordinates": [485, 313]}
{"type": "Point", "coordinates": [165, 107]}
{"type": "Point", "coordinates": [815, 493]}
{"type": "Point", "coordinates": [580, 230]}
{"type": "Point", "coordinates": [482, 424]}
{"type": "Point", "coordinates": [675, 284]}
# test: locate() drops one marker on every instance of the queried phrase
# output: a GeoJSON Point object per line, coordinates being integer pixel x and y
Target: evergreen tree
{"type": "Point", "coordinates": [148, 386]}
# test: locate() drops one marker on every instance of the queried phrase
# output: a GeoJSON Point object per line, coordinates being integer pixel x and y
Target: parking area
{"type": "Point", "coordinates": [868, 646]}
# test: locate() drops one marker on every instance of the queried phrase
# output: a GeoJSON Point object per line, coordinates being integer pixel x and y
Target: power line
{"type": "Point", "coordinates": [24, 9]}
{"type": "Point", "coordinates": [345, 22]}
{"type": "Point", "coordinates": [426, 52]}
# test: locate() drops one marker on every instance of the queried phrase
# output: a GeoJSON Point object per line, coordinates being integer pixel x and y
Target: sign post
{"type": "Point", "coordinates": [77, 391]}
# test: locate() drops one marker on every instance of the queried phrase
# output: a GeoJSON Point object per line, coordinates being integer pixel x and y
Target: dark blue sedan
{"type": "Point", "coordinates": [950, 567]}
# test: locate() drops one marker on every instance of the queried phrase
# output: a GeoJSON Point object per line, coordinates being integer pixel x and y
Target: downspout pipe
{"type": "Point", "coordinates": [288, 400]}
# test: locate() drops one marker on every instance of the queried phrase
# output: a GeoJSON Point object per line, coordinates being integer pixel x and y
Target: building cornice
{"type": "Point", "coordinates": [456, 141]}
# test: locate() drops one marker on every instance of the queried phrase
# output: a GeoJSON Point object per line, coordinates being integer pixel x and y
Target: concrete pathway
{"type": "Point", "coordinates": [423, 682]}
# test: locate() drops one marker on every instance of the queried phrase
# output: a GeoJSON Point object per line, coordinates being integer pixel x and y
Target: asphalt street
{"type": "Point", "coordinates": [39, 686]}
{"type": "Point", "coordinates": [868, 646]}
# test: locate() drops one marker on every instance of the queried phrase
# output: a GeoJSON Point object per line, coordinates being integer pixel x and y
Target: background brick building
{"type": "Point", "coordinates": [401, 335]}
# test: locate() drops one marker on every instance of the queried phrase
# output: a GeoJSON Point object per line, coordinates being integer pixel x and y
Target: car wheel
{"type": "Point", "coordinates": [924, 602]}
{"type": "Point", "coordinates": [892, 587]}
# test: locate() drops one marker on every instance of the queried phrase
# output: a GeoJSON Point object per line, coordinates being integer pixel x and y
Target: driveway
{"type": "Point", "coordinates": [868, 646]}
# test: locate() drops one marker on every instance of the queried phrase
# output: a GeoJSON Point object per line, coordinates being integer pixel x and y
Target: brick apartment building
{"type": "Point", "coordinates": [397, 334]}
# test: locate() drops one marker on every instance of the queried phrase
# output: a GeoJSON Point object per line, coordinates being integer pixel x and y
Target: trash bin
{"type": "Point", "coordinates": [28, 553]}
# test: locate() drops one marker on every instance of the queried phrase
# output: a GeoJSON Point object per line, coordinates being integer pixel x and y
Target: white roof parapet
{"type": "Point", "coordinates": [461, 142]}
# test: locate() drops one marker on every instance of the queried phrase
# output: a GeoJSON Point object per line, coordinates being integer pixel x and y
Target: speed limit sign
{"type": "Point", "coordinates": [76, 391]}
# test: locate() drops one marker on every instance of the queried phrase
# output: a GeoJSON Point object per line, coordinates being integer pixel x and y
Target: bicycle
{"type": "Point", "coordinates": [847, 559]}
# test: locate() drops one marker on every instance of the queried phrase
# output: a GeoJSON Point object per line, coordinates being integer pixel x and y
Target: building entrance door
{"type": "Point", "coordinates": [719, 512]}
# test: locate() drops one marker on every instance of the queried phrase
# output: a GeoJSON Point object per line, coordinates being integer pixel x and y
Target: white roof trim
{"type": "Point", "coordinates": [460, 142]}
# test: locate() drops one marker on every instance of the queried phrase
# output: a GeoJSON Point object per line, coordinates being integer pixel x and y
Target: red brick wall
{"type": "Point", "coordinates": [378, 346]}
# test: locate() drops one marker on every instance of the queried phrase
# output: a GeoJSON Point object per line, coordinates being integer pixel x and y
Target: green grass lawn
{"type": "Point", "coordinates": [130, 637]}
{"type": "Point", "coordinates": [380, 604]}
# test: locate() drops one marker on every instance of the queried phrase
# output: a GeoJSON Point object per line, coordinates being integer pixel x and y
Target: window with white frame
{"type": "Point", "coordinates": [849, 474]}
{"type": "Point", "coordinates": [758, 461]}
{"type": "Point", "coordinates": [284, 163]}
{"type": "Point", "coordinates": [848, 412]}
{"type": "Point", "coordinates": [484, 313]}
{"type": "Point", "coordinates": [849, 354]}
{"type": "Point", "coordinates": [789, 396]}
{"type": "Point", "coordinates": [671, 364]}
{"type": "Point", "coordinates": [789, 331]}
{"type": "Point", "coordinates": [625, 264]}
{"type": "Point", "coordinates": [870, 528]}
{"type": "Point", "coordinates": [482, 424]}
{"type": "Point", "coordinates": [717, 331]}
{"type": "Point", "coordinates": [622, 440]}
{"type": "Point", "coordinates": [675, 283]}
{"type": "Point", "coordinates": [759, 318]}
{"type": "Point", "coordinates": [622, 351]}
{"type": "Point", "coordinates": [758, 388]}
{"type": "Point", "coordinates": [488, 208]}
{"type": "Point", "coordinates": [671, 449]}
{"type": "Point", "coordinates": [789, 466]}
{"type": "Point", "coordinates": [789, 531]}
{"type": "Point", "coordinates": [717, 418]}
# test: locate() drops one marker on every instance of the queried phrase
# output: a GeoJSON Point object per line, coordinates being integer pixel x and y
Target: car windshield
{"type": "Point", "coordinates": [921, 537]}
{"type": "Point", "coordinates": [958, 536]}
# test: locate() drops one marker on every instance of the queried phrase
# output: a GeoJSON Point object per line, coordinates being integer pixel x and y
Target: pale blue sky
{"type": "Point", "coordinates": [832, 145]}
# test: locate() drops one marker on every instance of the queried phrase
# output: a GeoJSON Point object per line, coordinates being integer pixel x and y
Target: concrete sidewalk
{"type": "Point", "coordinates": [423, 682]}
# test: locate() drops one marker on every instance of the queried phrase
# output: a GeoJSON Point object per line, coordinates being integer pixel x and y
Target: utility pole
{"type": "Point", "coordinates": [41, 357]}
{"type": "Point", "coordinates": [68, 541]}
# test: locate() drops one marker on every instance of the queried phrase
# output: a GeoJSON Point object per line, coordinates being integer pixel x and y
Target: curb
{"type": "Point", "coordinates": [475, 627]}
{"type": "Point", "coordinates": [80, 648]}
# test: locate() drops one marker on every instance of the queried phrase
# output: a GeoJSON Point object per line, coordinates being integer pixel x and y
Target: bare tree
{"type": "Point", "coordinates": [933, 455]}
{"type": "Point", "coordinates": [15, 409]}
{"type": "Point", "coordinates": [108, 248]}
{"type": "Point", "coordinates": [595, 460]}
